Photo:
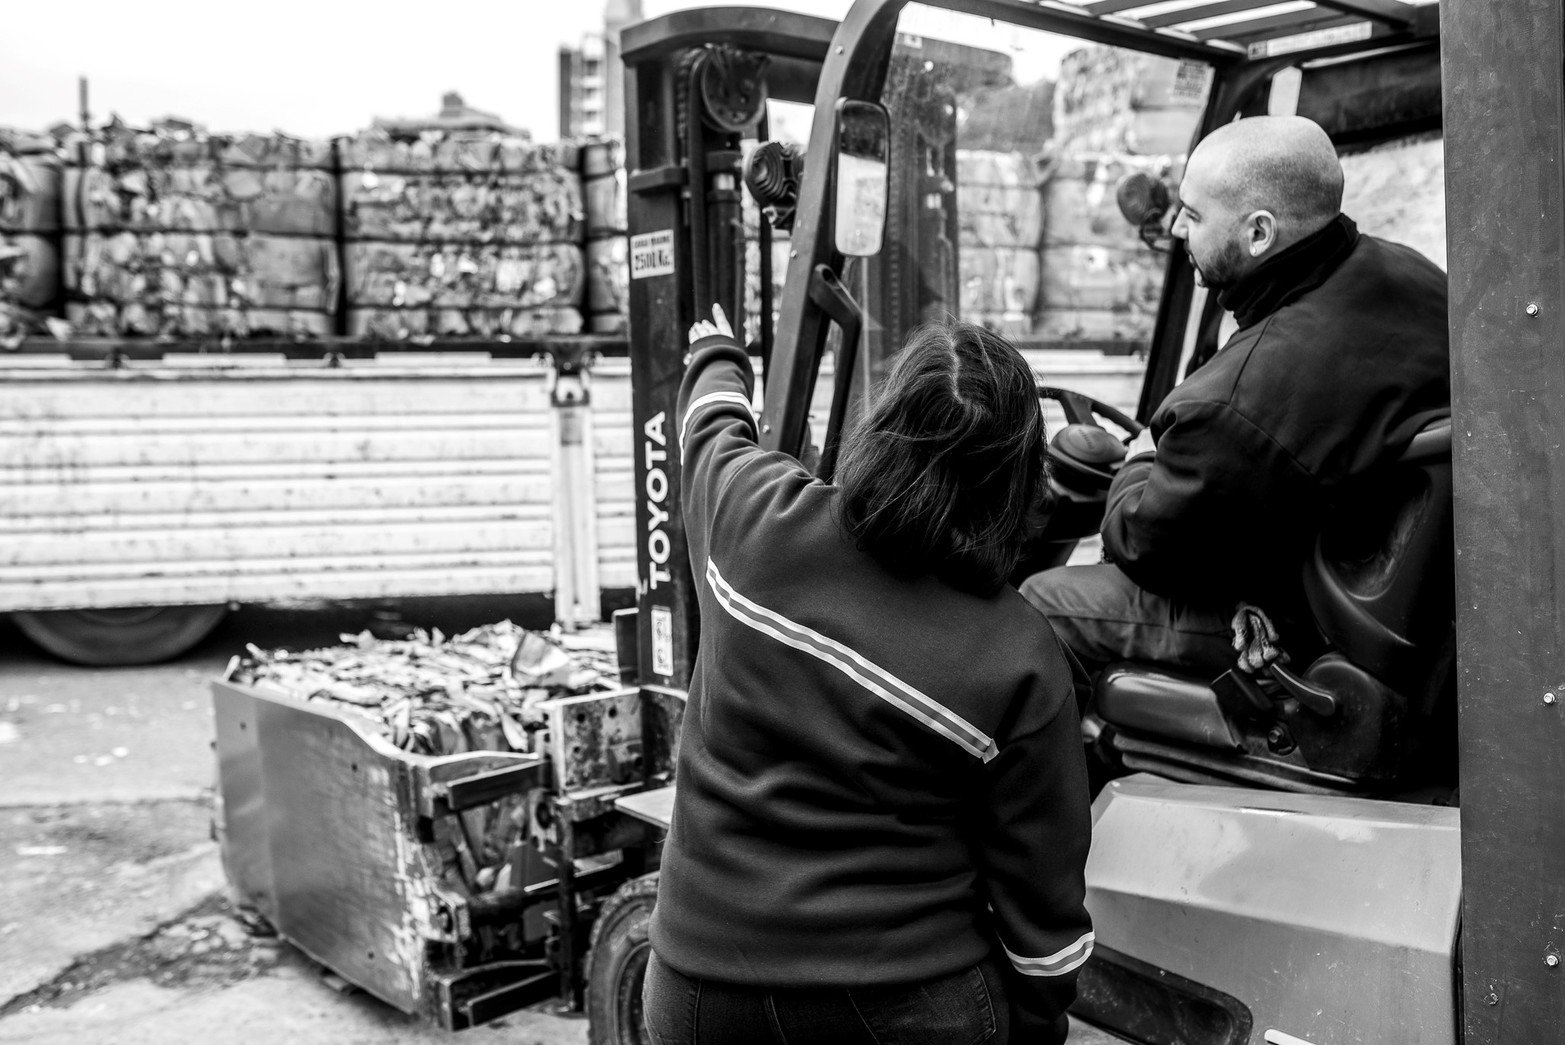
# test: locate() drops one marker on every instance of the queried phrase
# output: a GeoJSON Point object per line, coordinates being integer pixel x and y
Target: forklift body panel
{"type": "Point", "coordinates": [1329, 919]}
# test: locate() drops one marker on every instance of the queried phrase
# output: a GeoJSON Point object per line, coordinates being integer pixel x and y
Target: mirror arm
{"type": "Point", "coordinates": [829, 295]}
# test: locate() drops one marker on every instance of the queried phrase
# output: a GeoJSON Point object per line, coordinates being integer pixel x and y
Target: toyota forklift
{"type": "Point", "coordinates": [1367, 848]}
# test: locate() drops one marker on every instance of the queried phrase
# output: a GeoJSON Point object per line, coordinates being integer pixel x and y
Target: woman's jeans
{"type": "Point", "coordinates": [966, 1008]}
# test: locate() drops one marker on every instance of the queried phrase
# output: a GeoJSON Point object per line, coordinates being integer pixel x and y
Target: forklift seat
{"type": "Point", "coordinates": [1380, 587]}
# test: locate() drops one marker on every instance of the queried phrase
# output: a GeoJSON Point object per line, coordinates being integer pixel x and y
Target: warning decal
{"type": "Point", "coordinates": [662, 641]}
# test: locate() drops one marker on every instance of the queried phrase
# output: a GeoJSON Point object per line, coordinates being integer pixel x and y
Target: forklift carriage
{"type": "Point", "coordinates": [1313, 901]}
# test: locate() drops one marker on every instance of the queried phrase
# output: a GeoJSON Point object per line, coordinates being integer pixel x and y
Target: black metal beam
{"type": "Point", "coordinates": [1392, 12]}
{"type": "Point", "coordinates": [1092, 29]}
{"type": "Point", "coordinates": [1275, 25]}
{"type": "Point", "coordinates": [1110, 7]}
{"type": "Point", "coordinates": [1198, 11]}
{"type": "Point", "coordinates": [1505, 228]}
{"type": "Point", "coordinates": [779, 33]}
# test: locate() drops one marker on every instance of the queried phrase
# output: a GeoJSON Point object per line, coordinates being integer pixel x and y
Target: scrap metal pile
{"type": "Point", "coordinates": [429, 694]}
{"type": "Point", "coordinates": [484, 690]}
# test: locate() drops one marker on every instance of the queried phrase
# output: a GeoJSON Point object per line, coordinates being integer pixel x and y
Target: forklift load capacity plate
{"type": "Point", "coordinates": [652, 254]}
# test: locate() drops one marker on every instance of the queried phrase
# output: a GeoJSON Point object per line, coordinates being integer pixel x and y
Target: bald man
{"type": "Point", "coordinates": [1340, 356]}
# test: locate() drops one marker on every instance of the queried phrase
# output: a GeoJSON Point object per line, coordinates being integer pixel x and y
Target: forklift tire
{"type": "Point", "coordinates": [617, 965]}
{"type": "Point", "coordinates": [118, 637]}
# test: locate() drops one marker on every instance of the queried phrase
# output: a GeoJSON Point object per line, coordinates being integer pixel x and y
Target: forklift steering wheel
{"type": "Point", "coordinates": [1084, 410]}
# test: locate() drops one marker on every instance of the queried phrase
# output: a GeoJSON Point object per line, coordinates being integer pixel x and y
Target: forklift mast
{"type": "Point", "coordinates": [696, 85]}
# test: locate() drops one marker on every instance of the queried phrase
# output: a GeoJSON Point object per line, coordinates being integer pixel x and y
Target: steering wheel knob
{"type": "Point", "coordinates": [1088, 444]}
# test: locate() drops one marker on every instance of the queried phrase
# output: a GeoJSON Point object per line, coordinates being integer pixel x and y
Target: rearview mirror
{"type": "Point", "coordinates": [860, 172]}
{"type": "Point", "coordinates": [1141, 198]}
{"type": "Point", "coordinates": [1144, 201]}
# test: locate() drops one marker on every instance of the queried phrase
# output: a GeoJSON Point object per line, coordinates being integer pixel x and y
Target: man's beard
{"type": "Point", "coordinates": [1222, 271]}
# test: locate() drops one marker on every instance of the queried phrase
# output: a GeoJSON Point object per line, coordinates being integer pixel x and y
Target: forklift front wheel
{"type": "Point", "coordinates": [617, 965]}
{"type": "Point", "coordinates": [116, 637]}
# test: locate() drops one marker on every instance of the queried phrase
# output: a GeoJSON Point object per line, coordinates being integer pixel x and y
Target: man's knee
{"type": "Point", "coordinates": [1042, 589]}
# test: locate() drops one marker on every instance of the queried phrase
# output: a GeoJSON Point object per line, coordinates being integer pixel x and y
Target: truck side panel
{"type": "Point", "coordinates": [177, 485]}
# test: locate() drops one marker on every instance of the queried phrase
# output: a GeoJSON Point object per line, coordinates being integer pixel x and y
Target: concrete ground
{"type": "Point", "coordinates": [114, 923]}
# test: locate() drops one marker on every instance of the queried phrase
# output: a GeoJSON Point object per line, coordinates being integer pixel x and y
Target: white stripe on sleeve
{"type": "Point", "coordinates": [708, 400]}
{"type": "Point", "coordinates": [1062, 961]}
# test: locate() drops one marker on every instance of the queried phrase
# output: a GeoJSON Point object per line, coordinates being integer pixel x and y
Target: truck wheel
{"type": "Point", "coordinates": [115, 637]}
{"type": "Point", "coordinates": [617, 965]}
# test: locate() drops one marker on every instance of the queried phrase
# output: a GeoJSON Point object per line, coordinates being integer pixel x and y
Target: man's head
{"type": "Point", "coordinates": [1253, 188]}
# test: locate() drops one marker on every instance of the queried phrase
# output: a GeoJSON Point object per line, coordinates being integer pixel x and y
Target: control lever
{"type": "Point", "coordinates": [1310, 696]}
{"type": "Point", "coordinates": [1256, 642]}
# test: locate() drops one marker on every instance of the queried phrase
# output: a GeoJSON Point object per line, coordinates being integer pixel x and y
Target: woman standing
{"type": "Point", "coordinates": [882, 815]}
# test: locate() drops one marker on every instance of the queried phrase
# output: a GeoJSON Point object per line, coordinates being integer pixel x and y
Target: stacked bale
{"type": "Point", "coordinates": [178, 233]}
{"type": "Point", "coordinates": [1108, 100]}
{"type": "Point", "coordinates": [30, 184]}
{"type": "Point", "coordinates": [608, 266]}
{"type": "Point", "coordinates": [1000, 210]}
{"type": "Point", "coordinates": [1099, 281]}
{"type": "Point", "coordinates": [458, 235]}
{"type": "Point", "coordinates": [1115, 112]}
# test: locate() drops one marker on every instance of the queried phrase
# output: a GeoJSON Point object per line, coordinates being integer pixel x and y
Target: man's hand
{"type": "Point", "coordinates": [1255, 639]}
{"type": "Point", "coordinates": [718, 324]}
{"type": "Point", "coordinates": [1142, 445]}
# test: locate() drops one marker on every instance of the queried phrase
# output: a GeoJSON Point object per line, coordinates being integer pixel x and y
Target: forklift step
{"type": "Point", "coordinates": [656, 807]}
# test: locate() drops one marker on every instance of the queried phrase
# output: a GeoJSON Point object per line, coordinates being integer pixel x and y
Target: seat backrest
{"type": "Point", "coordinates": [1381, 580]}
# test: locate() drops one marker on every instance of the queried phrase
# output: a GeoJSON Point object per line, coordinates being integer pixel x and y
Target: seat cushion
{"type": "Point", "coordinates": [1150, 700]}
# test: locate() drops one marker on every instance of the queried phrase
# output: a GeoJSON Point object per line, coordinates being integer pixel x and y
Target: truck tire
{"type": "Point", "coordinates": [116, 637]}
{"type": "Point", "coordinates": [617, 965]}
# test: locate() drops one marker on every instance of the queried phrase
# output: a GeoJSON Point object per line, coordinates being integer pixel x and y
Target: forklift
{"type": "Point", "coordinates": [1369, 848]}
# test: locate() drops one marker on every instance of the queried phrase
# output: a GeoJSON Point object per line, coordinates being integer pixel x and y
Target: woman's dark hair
{"type": "Point", "coordinates": [940, 474]}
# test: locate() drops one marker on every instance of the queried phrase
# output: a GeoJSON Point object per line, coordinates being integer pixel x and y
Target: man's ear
{"type": "Point", "coordinates": [1260, 232]}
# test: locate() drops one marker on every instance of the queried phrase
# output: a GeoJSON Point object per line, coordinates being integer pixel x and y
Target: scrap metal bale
{"type": "Point", "coordinates": [1111, 100]}
{"type": "Point", "coordinates": [608, 267]}
{"type": "Point", "coordinates": [30, 187]}
{"type": "Point", "coordinates": [999, 199]}
{"type": "Point", "coordinates": [175, 232]}
{"type": "Point", "coordinates": [456, 235]}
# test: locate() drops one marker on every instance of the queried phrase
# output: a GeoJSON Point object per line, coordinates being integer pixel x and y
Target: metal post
{"type": "Point", "coordinates": [1505, 220]}
{"type": "Point", "coordinates": [576, 587]}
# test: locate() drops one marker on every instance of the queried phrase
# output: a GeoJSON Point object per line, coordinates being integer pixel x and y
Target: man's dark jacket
{"type": "Point", "coordinates": [1340, 357]}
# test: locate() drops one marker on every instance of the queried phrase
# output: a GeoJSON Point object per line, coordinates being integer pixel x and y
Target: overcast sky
{"type": "Point", "coordinates": [307, 67]}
